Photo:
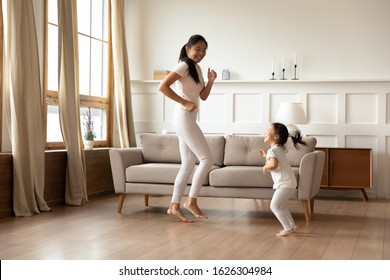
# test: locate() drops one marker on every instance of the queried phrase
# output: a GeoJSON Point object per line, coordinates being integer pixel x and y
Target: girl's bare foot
{"type": "Point", "coordinates": [174, 210]}
{"type": "Point", "coordinates": [286, 232]}
{"type": "Point", "coordinates": [192, 206]}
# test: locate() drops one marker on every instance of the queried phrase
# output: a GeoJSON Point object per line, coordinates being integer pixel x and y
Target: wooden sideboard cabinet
{"type": "Point", "coordinates": [347, 168]}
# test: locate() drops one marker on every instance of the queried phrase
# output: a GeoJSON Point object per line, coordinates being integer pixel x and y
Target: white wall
{"type": "Point", "coordinates": [343, 62]}
{"type": "Point", "coordinates": [334, 39]}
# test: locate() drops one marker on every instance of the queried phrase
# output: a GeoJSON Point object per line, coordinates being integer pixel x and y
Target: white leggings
{"type": "Point", "coordinates": [193, 146]}
{"type": "Point", "coordinates": [278, 207]}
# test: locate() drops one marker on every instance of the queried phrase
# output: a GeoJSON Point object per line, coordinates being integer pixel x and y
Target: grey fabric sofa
{"type": "Point", "coordinates": [237, 172]}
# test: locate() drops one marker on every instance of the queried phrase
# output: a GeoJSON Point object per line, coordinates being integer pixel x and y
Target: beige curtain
{"type": "Point", "coordinates": [23, 97]}
{"type": "Point", "coordinates": [69, 103]}
{"type": "Point", "coordinates": [123, 106]}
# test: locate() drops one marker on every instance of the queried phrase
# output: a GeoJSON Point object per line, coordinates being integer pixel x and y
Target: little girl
{"type": "Point", "coordinates": [282, 174]}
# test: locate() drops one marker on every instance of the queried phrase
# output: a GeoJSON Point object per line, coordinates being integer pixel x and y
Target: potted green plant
{"type": "Point", "coordinates": [89, 133]}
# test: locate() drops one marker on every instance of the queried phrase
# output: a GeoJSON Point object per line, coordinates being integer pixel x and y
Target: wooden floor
{"type": "Point", "coordinates": [238, 229]}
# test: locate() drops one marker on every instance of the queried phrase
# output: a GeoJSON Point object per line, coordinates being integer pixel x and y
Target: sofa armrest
{"type": "Point", "coordinates": [120, 159]}
{"type": "Point", "coordinates": [310, 174]}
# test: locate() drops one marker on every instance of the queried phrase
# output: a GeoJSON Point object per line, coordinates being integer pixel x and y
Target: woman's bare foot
{"type": "Point", "coordinates": [174, 210]}
{"type": "Point", "coordinates": [286, 232]}
{"type": "Point", "coordinates": [192, 206]}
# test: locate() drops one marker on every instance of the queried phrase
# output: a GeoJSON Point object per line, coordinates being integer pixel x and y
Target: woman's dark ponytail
{"type": "Point", "coordinates": [184, 57]}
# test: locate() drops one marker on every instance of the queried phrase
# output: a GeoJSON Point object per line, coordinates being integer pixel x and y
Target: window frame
{"type": "Point", "coordinates": [51, 97]}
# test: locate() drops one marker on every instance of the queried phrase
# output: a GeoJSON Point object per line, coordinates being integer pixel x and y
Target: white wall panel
{"type": "Point", "coordinates": [213, 109]}
{"type": "Point", "coordinates": [276, 99]}
{"type": "Point", "coordinates": [340, 114]}
{"type": "Point", "coordinates": [248, 108]}
{"type": "Point", "coordinates": [169, 108]}
{"type": "Point", "coordinates": [361, 108]}
{"type": "Point", "coordinates": [326, 140]}
{"type": "Point", "coordinates": [361, 141]}
{"type": "Point", "coordinates": [322, 108]}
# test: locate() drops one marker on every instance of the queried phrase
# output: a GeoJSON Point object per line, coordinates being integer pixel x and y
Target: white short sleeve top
{"type": "Point", "coordinates": [283, 176]}
{"type": "Point", "coordinates": [186, 87]}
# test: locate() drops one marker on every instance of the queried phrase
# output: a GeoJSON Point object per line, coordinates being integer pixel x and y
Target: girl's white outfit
{"type": "Point", "coordinates": [285, 184]}
{"type": "Point", "coordinates": [192, 143]}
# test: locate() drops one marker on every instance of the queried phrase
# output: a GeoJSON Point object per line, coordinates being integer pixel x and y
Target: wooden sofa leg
{"type": "Point", "coordinates": [120, 202]}
{"type": "Point", "coordinates": [306, 209]}
{"type": "Point", "coordinates": [146, 198]}
{"type": "Point", "coordinates": [312, 206]}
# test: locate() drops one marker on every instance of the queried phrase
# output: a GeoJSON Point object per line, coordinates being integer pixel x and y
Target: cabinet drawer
{"type": "Point", "coordinates": [350, 168]}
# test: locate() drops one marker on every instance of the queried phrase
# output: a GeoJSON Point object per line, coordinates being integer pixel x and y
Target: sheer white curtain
{"type": "Point", "coordinates": [23, 95]}
{"type": "Point", "coordinates": [69, 103]}
{"type": "Point", "coordinates": [122, 93]}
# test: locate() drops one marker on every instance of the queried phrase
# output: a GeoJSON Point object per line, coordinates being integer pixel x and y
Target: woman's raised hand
{"type": "Point", "coordinates": [211, 75]}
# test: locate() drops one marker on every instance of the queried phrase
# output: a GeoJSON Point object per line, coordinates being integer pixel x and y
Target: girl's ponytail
{"type": "Point", "coordinates": [297, 138]}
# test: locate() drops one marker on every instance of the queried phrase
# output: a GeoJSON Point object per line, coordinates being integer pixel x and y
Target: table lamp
{"type": "Point", "coordinates": [290, 114]}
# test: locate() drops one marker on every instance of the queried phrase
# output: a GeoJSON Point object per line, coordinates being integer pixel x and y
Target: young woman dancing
{"type": "Point", "coordinates": [190, 87]}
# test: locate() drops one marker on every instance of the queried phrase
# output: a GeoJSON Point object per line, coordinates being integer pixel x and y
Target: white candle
{"type": "Point", "coordinates": [283, 63]}
{"type": "Point", "coordinates": [273, 71]}
{"type": "Point", "coordinates": [296, 59]}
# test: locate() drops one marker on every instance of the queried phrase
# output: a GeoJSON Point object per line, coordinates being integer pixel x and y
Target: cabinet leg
{"type": "Point", "coordinates": [363, 194]}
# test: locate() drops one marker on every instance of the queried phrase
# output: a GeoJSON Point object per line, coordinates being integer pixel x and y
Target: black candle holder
{"type": "Point", "coordinates": [295, 73]}
{"type": "Point", "coordinates": [283, 78]}
{"type": "Point", "coordinates": [273, 76]}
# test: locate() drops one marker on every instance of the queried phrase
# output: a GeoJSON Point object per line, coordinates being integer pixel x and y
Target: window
{"type": "Point", "coordinates": [94, 70]}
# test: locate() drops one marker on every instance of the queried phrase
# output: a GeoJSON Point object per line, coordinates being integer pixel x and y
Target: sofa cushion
{"type": "Point", "coordinates": [244, 150]}
{"type": "Point", "coordinates": [164, 148]}
{"type": "Point", "coordinates": [240, 176]}
{"type": "Point", "coordinates": [160, 148]}
{"type": "Point", "coordinates": [158, 173]}
{"type": "Point", "coordinates": [217, 147]}
{"type": "Point", "coordinates": [294, 155]}
{"type": "Point", "coordinates": [243, 177]}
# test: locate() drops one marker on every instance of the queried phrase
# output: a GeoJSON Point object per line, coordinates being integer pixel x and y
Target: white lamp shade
{"type": "Point", "coordinates": [291, 113]}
